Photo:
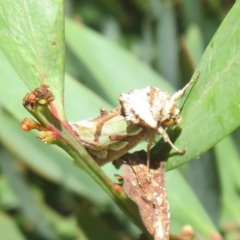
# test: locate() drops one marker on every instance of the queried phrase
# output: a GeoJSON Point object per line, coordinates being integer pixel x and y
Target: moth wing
{"type": "Point", "coordinates": [136, 108]}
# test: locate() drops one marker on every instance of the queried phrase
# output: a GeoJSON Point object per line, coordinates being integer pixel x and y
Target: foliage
{"type": "Point", "coordinates": [139, 43]}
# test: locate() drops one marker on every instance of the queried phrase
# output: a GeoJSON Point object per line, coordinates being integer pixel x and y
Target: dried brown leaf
{"type": "Point", "coordinates": [146, 187]}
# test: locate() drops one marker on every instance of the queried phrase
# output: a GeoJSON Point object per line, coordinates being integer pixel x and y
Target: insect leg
{"type": "Point", "coordinates": [149, 145]}
{"type": "Point", "coordinates": [167, 139]}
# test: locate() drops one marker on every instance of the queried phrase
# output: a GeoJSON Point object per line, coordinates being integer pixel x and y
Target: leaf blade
{"type": "Point", "coordinates": [32, 38]}
{"type": "Point", "coordinates": [211, 109]}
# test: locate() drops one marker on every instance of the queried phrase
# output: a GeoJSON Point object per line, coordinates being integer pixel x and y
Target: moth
{"type": "Point", "coordinates": [142, 114]}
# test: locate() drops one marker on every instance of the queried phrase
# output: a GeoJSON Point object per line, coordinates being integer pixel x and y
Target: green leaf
{"type": "Point", "coordinates": [32, 38]}
{"type": "Point", "coordinates": [207, 189]}
{"type": "Point", "coordinates": [211, 109]}
{"type": "Point", "coordinates": [228, 164]}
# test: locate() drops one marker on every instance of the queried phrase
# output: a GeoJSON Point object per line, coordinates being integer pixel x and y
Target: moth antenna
{"type": "Point", "coordinates": [181, 92]}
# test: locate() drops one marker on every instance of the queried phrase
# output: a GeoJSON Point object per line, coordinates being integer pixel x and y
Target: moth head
{"type": "Point", "coordinates": [171, 115]}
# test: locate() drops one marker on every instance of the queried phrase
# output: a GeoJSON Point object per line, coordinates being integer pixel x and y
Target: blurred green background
{"type": "Point", "coordinates": [43, 195]}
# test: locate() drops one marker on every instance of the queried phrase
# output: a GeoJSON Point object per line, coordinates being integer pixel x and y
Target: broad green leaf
{"type": "Point", "coordinates": [211, 109]}
{"type": "Point", "coordinates": [32, 38]}
{"type": "Point", "coordinates": [110, 69]}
